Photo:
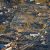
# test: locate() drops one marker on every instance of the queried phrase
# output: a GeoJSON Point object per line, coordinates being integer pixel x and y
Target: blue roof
{"type": "Point", "coordinates": [2, 18]}
{"type": "Point", "coordinates": [48, 23]}
{"type": "Point", "coordinates": [2, 46]}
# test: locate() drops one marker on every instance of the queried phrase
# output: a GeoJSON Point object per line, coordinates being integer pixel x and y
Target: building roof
{"type": "Point", "coordinates": [28, 33]}
{"type": "Point", "coordinates": [2, 46]}
{"type": "Point", "coordinates": [3, 18]}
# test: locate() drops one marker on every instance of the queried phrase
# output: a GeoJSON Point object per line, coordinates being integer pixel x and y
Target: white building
{"type": "Point", "coordinates": [35, 34]}
{"type": "Point", "coordinates": [10, 48]}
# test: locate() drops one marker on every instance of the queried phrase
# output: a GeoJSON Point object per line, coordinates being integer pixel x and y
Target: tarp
{"type": "Point", "coordinates": [2, 46]}
{"type": "Point", "coordinates": [3, 18]}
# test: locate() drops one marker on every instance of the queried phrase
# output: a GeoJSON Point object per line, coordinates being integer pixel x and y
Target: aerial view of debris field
{"type": "Point", "coordinates": [24, 24]}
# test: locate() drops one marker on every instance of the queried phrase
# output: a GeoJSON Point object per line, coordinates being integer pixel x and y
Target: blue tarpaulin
{"type": "Point", "coordinates": [1, 46]}
{"type": "Point", "coordinates": [2, 18]}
